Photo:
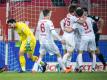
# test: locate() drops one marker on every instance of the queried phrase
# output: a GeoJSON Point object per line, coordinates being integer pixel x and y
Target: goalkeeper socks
{"type": "Point", "coordinates": [101, 58]}
{"type": "Point", "coordinates": [22, 62]}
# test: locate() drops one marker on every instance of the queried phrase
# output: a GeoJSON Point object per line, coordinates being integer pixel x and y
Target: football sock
{"type": "Point", "coordinates": [65, 58]}
{"type": "Point", "coordinates": [22, 62]}
{"type": "Point", "coordinates": [77, 65]}
{"type": "Point", "coordinates": [35, 67]}
{"type": "Point", "coordinates": [68, 62]}
{"type": "Point", "coordinates": [61, 63]}
{"type": "Point", "coordinates": [79, 58]}
{"type": "Point", "coordinates": [94, 61]}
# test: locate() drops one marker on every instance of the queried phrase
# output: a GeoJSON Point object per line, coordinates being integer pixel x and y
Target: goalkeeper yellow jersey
{"type": "Point", "coordinates": [24, 31]}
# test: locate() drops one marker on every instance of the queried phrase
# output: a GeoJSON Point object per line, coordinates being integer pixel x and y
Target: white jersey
{"type": "Point", "coordinates": [68, 22]}
{"type": "Point", "coordinates": [68, 36]}
{"type": "Point", "coordinates": [46, 38]}
{"type": "Point", "coordinates": [87, 40]}
{"type": "Point", "coordinates": [44, 27]}
{"type": "Point", "coordinates": [86, 28]}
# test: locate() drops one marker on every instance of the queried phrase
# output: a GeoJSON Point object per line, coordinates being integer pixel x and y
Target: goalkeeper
{"type": "Point", "coordinates": [28, 42]}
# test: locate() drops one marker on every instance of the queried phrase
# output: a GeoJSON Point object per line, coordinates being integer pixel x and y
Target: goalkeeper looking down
{"type": "Point", "coordinates": [28, 42]}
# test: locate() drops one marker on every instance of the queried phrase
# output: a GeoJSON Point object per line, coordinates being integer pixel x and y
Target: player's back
{"type": "Point", "coordinates": [69, 20]}
{"type": "Point", "coordinates": [24, 31]}
{"type": "Point", "coordinates": [44, 27]}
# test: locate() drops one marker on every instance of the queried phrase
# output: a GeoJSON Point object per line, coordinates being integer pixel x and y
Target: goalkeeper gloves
{"type": "Point", "coordinates": [18, 43]}
{"type": "Point", "coordinates": [28, 48]}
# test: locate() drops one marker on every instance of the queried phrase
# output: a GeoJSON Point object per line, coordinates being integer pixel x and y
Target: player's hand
{"type": "Point", "coordinates": [28, 48]}
{"type": "Point", "coordinates": [18, 43]}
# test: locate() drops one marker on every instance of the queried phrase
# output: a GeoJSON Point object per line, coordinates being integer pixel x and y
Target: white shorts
{"type": "Point", "coordinates": [70, 42]}
{"type": "Point", "coordinates": [87, 43]}
{"type": "Point", "coordinates": [49, 47]}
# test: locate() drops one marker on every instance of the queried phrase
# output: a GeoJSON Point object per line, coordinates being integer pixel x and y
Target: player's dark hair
{"type": "Point", "coordinates": [72, 8]}
{"type": "Point", "coordinates": [85, 9]}
{"type": "Point", "coordinates": [46, 12]}
{"type": "Point", "coordinates": [79, 11]}
{"type": "Point", "coordinates": [11, 21]}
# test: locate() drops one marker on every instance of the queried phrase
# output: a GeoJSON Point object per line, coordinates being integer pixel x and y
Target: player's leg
{"type": "Point", "coordinates": [92, 47]}
{"type": "Point", "coordinates": [98, 53]}
{"type": "Point", "coordinates": [21, 56]}
{"type": "Point", "coordinates": [77, 45]}
{"type": "Point", "coordinates": [94, 60]}
{"type": "Point", "coordinates": [39, 61]}
{"type": "Point", "coordinates": [53, 49]}
{"type": "Point", "coordinates": [31, 51]}
{"type": "Point", "coordinates": [70, 45]}
{"type": "Point", "coordinates": [67, 57]}
{"type": "Point", "coordinates": [26, 48]}
{"type": "Point", "coordinates": [37, 64]}
{"type": "Point", "coordinates": [83, 47]}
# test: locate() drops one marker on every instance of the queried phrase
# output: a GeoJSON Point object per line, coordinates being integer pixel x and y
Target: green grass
{"type": "Point", "coordinates": [53, 76]}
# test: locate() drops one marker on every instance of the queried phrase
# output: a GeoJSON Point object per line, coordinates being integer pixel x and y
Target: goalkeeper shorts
{"type": "Point", "coordinates": [32, 46]}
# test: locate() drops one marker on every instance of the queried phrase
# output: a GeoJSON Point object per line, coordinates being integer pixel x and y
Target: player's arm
{"type": "Point", "coordinates": [101, 25]}
{"type": "Point", "coordinates": [62, 24]}
{"type": "Point", "coordinates": [53, 32]}
{"type": "Point", "coordinates": [37, 32]}
{"type": "Point", "coordinates": [100, 22]}
{"type": "Point", "coordinates": [68, 29]}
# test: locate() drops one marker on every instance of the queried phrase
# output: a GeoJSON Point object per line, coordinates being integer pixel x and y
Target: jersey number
{"type": "Point", "coordinates": [85, 26]}
{"type": "Point", "coordinates": [67, 22]}
{"type": "Point", "coordinates": [42, 27]}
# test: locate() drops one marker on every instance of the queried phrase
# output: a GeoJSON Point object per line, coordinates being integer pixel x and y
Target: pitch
{"type": "Point", "coordinates": [53, 76]}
